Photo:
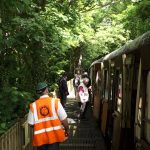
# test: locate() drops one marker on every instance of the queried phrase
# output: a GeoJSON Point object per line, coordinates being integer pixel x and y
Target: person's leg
{"type": "Point", "coordinates": [85, 110]}
{"type": "Point", "coordinates": [89, 91]}
{"type": "Point", "coordinates": [43, 147]}
{"type": "Point", "coordinates": [75, 91]}
{"type": "Point", "coordinates": [63, 99]}
{"type": "Point", "coordinates": [54, 146]}
{"type": "Point", "coordinates": [79, 104]}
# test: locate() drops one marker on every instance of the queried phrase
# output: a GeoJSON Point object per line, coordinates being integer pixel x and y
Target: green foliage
{"type": "Point", "coordinates": [136, 18]}
{"type": "Point", "coordinates": [13, 105]}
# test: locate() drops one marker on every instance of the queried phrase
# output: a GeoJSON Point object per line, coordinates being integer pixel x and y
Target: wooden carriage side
{"type": "Point", "coordinates": [125, 102]}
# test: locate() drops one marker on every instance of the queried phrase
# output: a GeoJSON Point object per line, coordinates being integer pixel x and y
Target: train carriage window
{"type": "Point", "coordinates": [106, 85]}
{"type": "Point", "coordinates": [97, 80]}
{"type": "Point", "coordinates": [139, 115]}
{"type": "Point", "coordinates": [119, 93]}
{"type": "Point", "coordinates": [147, 110]}
{"type": "Point", "coordinates": [112, 87]}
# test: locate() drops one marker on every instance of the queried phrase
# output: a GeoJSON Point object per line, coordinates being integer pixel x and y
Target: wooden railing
{"type": "Point", "coordinates": [18, 137]}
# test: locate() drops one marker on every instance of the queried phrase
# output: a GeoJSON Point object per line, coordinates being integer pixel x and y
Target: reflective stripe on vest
{"type": "Point", "coordinates": [47, 129]}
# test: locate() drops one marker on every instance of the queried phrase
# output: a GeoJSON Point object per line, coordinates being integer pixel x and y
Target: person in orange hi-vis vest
{"type": "Point", "coordinates": [48, 119]}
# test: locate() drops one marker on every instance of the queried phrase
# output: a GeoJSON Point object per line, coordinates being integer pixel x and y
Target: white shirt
{"type": "Point", "coordinates": [61, 113]}
{"type": "Point", "coordinates": [83, 93]}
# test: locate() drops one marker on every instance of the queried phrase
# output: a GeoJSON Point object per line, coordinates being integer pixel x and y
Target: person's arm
{"type": "Point", "coordinates": [30, 119]}
{"type": "Point", "coordinates": [63, 118]}
{"type": "Point", "coordinates": [30, 125]}
{"type": "Point", "coordinates": [73, 82]}
{"type": "Point", "coordinates": [66, 126]}
{"type": "Point", "coordinates": [89, 84]}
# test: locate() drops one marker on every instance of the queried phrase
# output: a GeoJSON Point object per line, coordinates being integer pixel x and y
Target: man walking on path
{"type": "Point", "coordinates": [63, 89]}
{"type": "Point", "coordinates": [48, 119]}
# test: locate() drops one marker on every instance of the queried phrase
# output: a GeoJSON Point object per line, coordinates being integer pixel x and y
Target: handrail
{"type": "Point", "coordinates": [18, 137]}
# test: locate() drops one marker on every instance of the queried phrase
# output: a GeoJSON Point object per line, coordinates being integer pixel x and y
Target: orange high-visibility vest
{"type": "Point", "coordinates": [47, 128]}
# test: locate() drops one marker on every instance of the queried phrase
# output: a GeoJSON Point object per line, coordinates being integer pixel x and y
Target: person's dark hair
{"type": "Point", "coordinates": [64, 74]}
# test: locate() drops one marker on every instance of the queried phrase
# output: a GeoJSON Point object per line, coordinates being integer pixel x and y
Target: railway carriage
{"type": "Point", "coordinates": [121, 95]}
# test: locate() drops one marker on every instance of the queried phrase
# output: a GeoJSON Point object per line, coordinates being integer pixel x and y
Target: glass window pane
{"type": "Point", "coordinates": [119, 96]}
{"type": "Point", "coordinates": [106, 85]}
{"type": "Point", "coordinates": [120, 86]}
{"type": "Point", "coordinates": [119, 104]}
{"type": "Point", "coordinates": [139, 111]}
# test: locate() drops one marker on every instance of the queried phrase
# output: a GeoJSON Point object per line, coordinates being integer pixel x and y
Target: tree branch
{"type": "Point", "coordinates": [100, 6]}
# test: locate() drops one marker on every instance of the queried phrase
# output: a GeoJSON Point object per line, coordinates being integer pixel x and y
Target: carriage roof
{"type": "Point", "coordinates": [131, 46]}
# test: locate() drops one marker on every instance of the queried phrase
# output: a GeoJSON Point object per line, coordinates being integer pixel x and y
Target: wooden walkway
{"type": "Point", "coordinates": [84, 133]}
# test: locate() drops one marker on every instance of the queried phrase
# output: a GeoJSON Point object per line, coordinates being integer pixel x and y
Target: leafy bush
{"type": "Point", "coordinates": [13, 105]}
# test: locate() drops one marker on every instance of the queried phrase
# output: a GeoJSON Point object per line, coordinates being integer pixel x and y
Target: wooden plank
{"type": "Point", "coordinates": [2, 142]}
{"type": "Point", "coordinates": [124, 96]}
{"type": "Point", "coordinates": [104, 116]}
{"type": "Point", "coordinates": [17, 136]}
{"type": "Point", "coordinates": [137, 128]}
{"type": "Point", "coordinates": [6, 142]}
{"type": "Point", "coordinates": [13, 140]}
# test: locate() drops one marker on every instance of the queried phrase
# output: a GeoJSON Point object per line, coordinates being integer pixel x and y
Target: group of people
{"type": "Point", "coordinates": [82, 87]}
{"type": "Point", "coordinates": [47, 115]}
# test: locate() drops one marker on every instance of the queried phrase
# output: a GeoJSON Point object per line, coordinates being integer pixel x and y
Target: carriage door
{"type": "Point", "coordinates": [145, 143]}
{"type": "Point", "coordinates": [142, 120]}
{"type": "Point", "coordinates": [117, 112]}
{"type": "Point", "coordinates": [104, 103]}
{"type": "Point", "coordinates": [97, 102]}
{"type": "Point", "coordinates": [112, 101]}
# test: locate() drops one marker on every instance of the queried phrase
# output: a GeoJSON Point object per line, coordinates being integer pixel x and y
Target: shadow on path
{"type": "Point", "coordinates": [84, 133]}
